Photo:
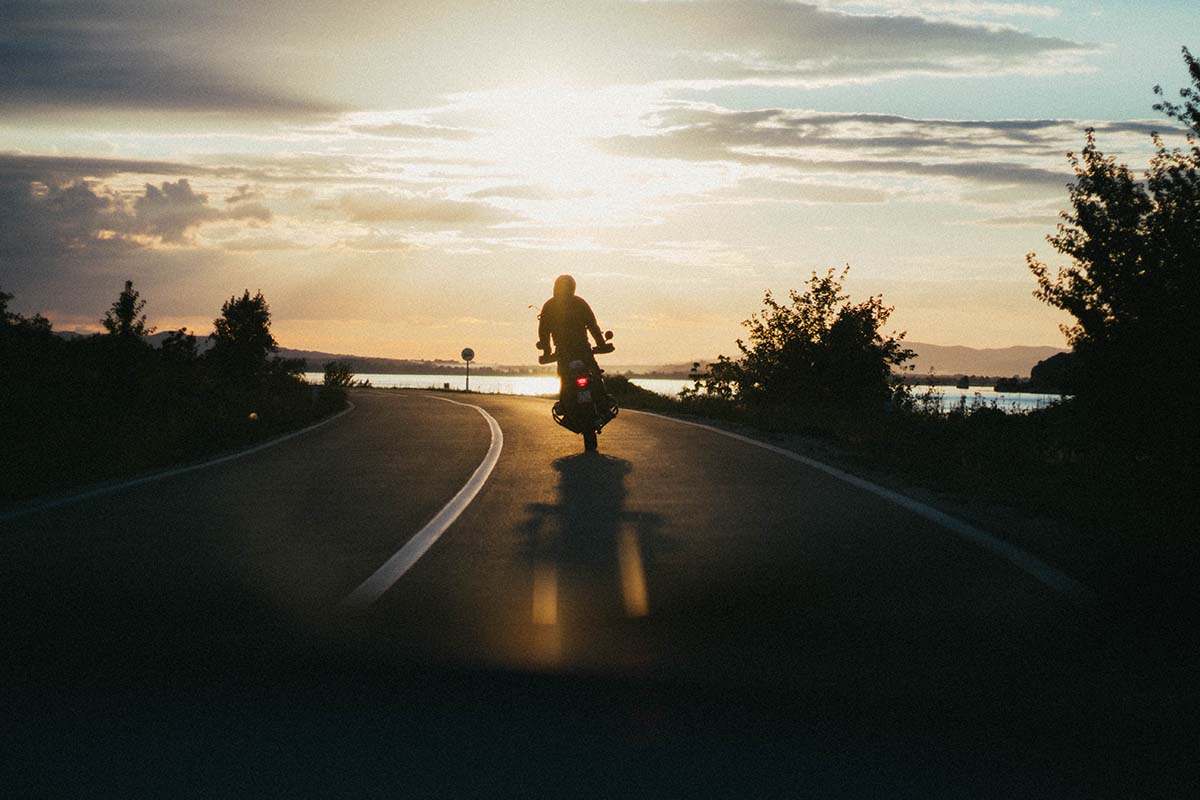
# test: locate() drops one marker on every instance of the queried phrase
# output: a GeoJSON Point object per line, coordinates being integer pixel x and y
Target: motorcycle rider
{"type": "Point", "coordinates": [567, 319]}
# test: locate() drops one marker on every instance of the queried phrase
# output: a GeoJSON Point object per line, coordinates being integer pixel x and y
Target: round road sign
{"type": "Point", "coordinates": [468, 354]}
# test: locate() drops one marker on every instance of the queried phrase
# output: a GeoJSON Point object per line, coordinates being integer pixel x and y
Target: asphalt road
{"type": "Point", "coordinates": [681, 613]}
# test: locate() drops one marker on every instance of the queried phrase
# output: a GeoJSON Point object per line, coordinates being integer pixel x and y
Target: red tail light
{"type": "Point", "coordinates": [581, 381]}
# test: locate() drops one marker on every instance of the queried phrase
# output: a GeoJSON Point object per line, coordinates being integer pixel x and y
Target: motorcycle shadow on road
{"type": "Point", "coordinates": [592, 559]}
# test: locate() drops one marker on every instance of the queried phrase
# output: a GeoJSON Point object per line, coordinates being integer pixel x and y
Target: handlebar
{"type": "Point", "coordinates": [600, 349]}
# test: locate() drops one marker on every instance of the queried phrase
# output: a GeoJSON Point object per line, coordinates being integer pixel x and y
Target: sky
{"type": "Point", "coordinates": [406, 179]}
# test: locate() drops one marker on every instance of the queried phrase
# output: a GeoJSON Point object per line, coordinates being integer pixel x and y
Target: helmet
{"type": "Point", "coordinates": [564, 286]}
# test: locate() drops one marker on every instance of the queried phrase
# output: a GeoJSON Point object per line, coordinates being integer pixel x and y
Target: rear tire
{"type": "Point", "coordinates": [589, 440]}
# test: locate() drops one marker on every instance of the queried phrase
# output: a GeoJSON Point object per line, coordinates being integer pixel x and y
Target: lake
{"type": "Point", "coordinates": [1017, 402]}
{"type": "Point", "coordinates": [548, 385]}
{"type": "Point", "coordinates": [494, 384]}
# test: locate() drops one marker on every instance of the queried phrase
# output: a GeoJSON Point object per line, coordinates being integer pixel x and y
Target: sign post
{"type": "Point", "coordinates": [468, 355]}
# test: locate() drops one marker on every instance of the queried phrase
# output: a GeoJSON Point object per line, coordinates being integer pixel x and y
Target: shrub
{"type": "Point", "coordinates": [817, 352]}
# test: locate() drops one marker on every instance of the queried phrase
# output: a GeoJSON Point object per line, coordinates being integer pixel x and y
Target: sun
{"type": "Point", "coordinates": [550, 136]}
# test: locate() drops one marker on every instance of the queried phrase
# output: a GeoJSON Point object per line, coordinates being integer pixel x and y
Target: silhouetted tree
{"type": "Point", "coordinates": [1188, 113]}
{"type": "Point", "coordinates": [16, 323]}
{"type": "Point", "coordinates": [242, 340]}
{"type": "Point", "coordinates": [125, 319]}
{"type": "Point", "coordinates": [337, 373]}
{"type": "Point", "coordinates": [179, 348]}
{"type": "Point", "coordinates": [817, 350]}
{"type": "Point", "coordinates": [28, 347]}
{"type": "Point", "coordinates": [1053, 374]}
{"type": "Point", "coordinates": [1133, 283]}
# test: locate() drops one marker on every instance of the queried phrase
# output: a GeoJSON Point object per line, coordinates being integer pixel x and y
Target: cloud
{"type": "Point", "coordinates": [983, 151]}
{"type": "Point", "coordinates": [808, 193]}
{"type": "Point", "coordinates": [706, 127]}
{"type": "Point", "coordinates": [1047, 220]}
{"type": "Point", "coordinates": [252, 211]}
{"type": "Point", "coordinates": [378, 243]}
{"type": "Point", "coordinates": [269, 58]}
{"type": "Point", "coordinates": [169, 211]}
{"type": "Point", "coordinates": [807, 45]}
{"type": "Point", "coordinates": [117, 54]}
{"type": "Point", "coordinates": [252, 244]}
{"type": "Point", "coordinates": [244, 194]}
{"type": "Point", "coordinates": [375, 207]}
{"type": "Point", "coordinates": [853, 130]}
{"type": "Point", "coordinates": [39, 219]}
{"type": "Point", "coordinates": [20, 166]}
{"type": "Point", "coordinates": [304, 168]}
{"type": "Point", "coordinates": [49, 217]}
{"type": "Point", "coordinates": [953, 10]}
{"type": "Point", "coordinates": [527, 192]}
{"type": "Point", "coordinates": [408, 130]}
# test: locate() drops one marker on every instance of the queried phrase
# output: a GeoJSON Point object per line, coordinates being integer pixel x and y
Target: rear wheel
{"type": "Point", "coordinates": [589, 440]}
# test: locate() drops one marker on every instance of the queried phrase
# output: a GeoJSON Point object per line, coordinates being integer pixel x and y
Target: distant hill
{"type": "Point", "coordinates": [1000, 362]}
{"type": "Point", "coordinates": [372, 365]}
{"type": "Point", "coordinates": [655, 370]}
{"type": "Point", "coordinates": [156, 340]}
{"type": "Point", "coordinates": [940, 359]}
{"type": "Point", "coordinates": [997, 362]}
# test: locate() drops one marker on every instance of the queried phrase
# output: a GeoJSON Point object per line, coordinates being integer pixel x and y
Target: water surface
{"type": "Point", "coordinates": [947, 396]}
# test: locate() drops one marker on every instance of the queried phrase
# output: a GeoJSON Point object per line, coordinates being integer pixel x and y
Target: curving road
{"type": "Point", "coordinates": [679, 586]}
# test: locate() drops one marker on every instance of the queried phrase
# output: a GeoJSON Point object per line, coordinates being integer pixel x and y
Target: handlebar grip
{"type": "Point", "coordinates": [600, 349]}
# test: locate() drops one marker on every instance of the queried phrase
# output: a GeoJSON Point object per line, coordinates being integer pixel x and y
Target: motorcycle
{"type": "Point", "coordinates": [583, 404]}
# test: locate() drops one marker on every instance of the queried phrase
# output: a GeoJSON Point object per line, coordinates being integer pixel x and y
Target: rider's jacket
{"type": "Point", "coordinates": [568, 320]}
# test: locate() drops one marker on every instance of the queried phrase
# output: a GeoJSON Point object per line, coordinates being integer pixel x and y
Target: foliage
{"type": "Point", "coordinates": [337, 373]}
{"type": "Point", "coordinates": [13, 323]}
{"type": "Point", "coordinates": [92, 408]}
{"type": "Point", "coordinates": [179, 348]}
{"type": "Point", "coordinates": [817, 351]}
{"type": "Point", "coordinates": [1188, 113]}
{"type": "Point", "coordinates": [1132, 287]}
{"type": "Point", "coordinates": [629, 394]}
{"type": "Point", "coordinates": [125, 319]}
{"type": "Point", "coordinates": [242, 339]}
{"type": "Point", "coordinates": [1053, 374]}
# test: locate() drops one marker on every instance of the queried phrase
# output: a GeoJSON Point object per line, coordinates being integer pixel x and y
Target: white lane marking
{"type": "Point", "coordinates": [394, 568]}
{"type": "Point", "coordinates": [1041, 571]}
{"type": "Point", "coordinates": [100, 491]}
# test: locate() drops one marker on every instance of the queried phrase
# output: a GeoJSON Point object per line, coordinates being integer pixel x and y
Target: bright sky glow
{"type": "Point", "coordinates": [406, 180]}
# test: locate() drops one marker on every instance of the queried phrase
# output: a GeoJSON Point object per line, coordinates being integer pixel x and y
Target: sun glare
{"type": "Point", "coordinates": [549, 135]}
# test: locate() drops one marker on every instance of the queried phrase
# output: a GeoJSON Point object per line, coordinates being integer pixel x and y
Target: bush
{"type": "Point", "coordinates": [100, 407]}
{"type": "Point", "coordinates": [337, 373]}
{"type": "Point", "coordinates": [818, 353]}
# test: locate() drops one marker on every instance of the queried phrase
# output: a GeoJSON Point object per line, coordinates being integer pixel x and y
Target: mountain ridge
{"type": "Point", "coordinates": [1016, 360]}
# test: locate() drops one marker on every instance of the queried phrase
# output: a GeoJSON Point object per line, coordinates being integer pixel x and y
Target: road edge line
{"type": "Point", "coordinates": [106, 489]}
{"type": "Point", "coordinates": [1076, 591]}
{"type": "Point", "coordinates": [403, 559]}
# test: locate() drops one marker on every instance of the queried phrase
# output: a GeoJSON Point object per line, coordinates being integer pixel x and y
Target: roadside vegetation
{"type": "Point", "coordinates": [1118, 457]}
{"type": "Point", "coordinates": [76, 410]}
